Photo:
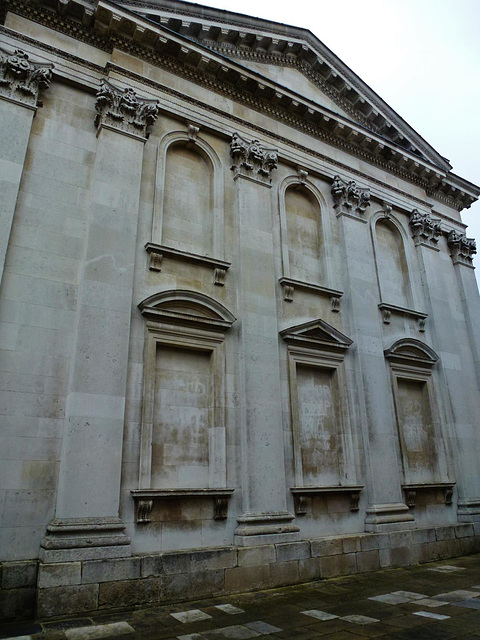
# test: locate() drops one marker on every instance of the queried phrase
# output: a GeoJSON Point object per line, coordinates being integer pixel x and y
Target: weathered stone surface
{"type": "Point", "coordinates": [206, 583]}
{"type": "Point", "coordinates": [59, 574]}
{"type": "Point", "coordinates": [282, 573]}
{"type": "Point", "coordinates": [350, 544]}
{"type": "Point", "coordinates": [238, 316]}
{"type": "Point", "coordinates": [17, 604]}
{"type": "Point", "coordinates": [16, 575]}
{"type": "Point", "coordinates": [292, 551]}
{"type": "Point", "coordinates": [253, 556]}
{"type": "Point", "coordinates": [326, 547]}
{"type": "Point", "coordinates": [57, 601]}
{"type": "Point", "coordinates": [127, 593]}
{"type": "Point", "coordinates": [108, 570]}
{"type": "Point", "coordinates": [445, 533]}
{"type": "Point", "coordinates": [309, 569]}
{"type": "Point", "coordinates": [243, 578]}
{"type": "Point", "coordinates": [211, 559]}
{"type": "Point", "coordinates": [331, 566]}
{"type": "Point", "coordinates": [420, 536]}
{"type": "Point", "coordinates": [400, 556]}
{"type": "Point", "coordinates": [368, 560]}
{"type": "Point", "coordinates": [464, 530]}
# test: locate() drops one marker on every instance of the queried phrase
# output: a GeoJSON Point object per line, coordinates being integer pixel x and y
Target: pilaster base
{"type": "Point", "coordinates": [84, 539]}
{"type": "Point", "coordinates": [265, 528]}
{"type": "Point", "coordinates": [393, 516]}
{"type": "Point", "coordinates": [468, 510]}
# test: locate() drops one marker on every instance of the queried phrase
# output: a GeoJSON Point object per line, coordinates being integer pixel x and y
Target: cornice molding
{"type": "Point", "coordinates": [251, 35]}
{"type": "Point", "coordinates": [326, 128]}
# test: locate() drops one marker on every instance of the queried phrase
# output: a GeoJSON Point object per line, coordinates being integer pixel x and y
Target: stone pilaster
{"type": "Point", "coordinates": [265, 516]}
{"type": "Point", "coordinates": [21, 81]}
{"type": "Point", "coordinates": [454, 311]}
{"type": "Point", "coordinates": [386, 509]}
{"type": "Point", "coordinates": [87, 523]}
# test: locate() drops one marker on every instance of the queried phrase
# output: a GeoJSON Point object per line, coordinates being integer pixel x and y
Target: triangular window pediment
{"type": "Point", "coordinates": [184, 307]}
{"type": "Point", "coordinates": [317, 334]}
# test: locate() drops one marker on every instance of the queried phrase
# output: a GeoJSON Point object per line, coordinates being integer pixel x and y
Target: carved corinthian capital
{"type": "Point", "coordinates": [462, 249]}
{"type": "Point", "coordinates": [349, 199]}
{"type": "Point", "coordinates": [252, 160]}
{"type": "Point", "coordinates": [122, 109]}
{"type": "Point", "coordinates": [425, 230]}
{"type": "Point", "coordinates": [21, 79]}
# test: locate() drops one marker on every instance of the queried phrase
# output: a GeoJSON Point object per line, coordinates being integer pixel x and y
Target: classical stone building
{"type": "Point", "coordinates": [239, 318]}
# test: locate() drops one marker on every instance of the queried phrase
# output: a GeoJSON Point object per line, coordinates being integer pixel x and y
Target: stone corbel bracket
{"type": "Point", "coordinates": [157, 252]}
{"type": "Point", "coordinates": [252, 160]}
{"type": "Point", "coordinates": [425, 229]}
{"type": "Point", "coordinates": [462, 249]}
{"type": "Point", "coordinates": [121, 109]}
{"type": "Point", "coordinates": [289, 285]}
{"type": "Point", "coordinates": [22, 79]}
{"type": "Point", "coordinates": [349, 199]}
{"type": "Point", "coordinates": [302, 496]}
{"type": "Point", "coordinates": [145, 499]}
{"type": "Point", "coordinates": [388, 309]}
{"type": "Point", "coordinates": [412, 489]}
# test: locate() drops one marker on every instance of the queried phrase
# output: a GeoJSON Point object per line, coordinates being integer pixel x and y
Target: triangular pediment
{"type": "Point", "coordinates": [282, 71]}
{"type": "Point", "coordinates": [262, 44]}
{"type": "Point", "coordinates": [183, 307]}
{"type": "Point", "coordinates": [317, 334]}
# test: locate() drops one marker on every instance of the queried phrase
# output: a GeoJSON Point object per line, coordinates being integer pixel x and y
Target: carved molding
{"type": "Point", "coordinates": [302, 495]}
{"type": "Point", "coordinates": [425, 229]}
{"type": "Point", "coordinates": [349, 199]}
{"type": "Point", "coordinates": [252, 160]}
{"type": "Point", "coordinates": [412, 489]}
{"type": "Point", "coordinates": [157, 253]}
{"type": "Point", "coordinates": [289, 285]}
{"type": "Point", "coordinates": [449, 188]}
{"type": "Point", "coordinates": [462, 249]}
{"type": "Point", "coordinates": [388, 309]}
{"type": "Point", "coordinates": [145, 499]}
{"type": "Point", "coordinates": [22, 79]}
{"type": "Point", "coordinates": [123, 110]}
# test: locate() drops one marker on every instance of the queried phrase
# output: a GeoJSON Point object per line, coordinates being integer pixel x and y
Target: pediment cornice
{"type": "Point", "coordinates": [268, 41]}
{"type": "Point", "coordinates": [108, 25]}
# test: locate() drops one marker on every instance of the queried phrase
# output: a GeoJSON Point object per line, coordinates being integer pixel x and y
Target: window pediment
{"type": "Point", "coordinates": [187, 307]}
{"type": "Point", "coordinates": [317, 334]}
{"type": "Point", "coordinates": [411, 351]}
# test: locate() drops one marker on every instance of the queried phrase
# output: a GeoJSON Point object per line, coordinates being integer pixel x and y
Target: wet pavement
{"type": "Point", "coordinates": [433, 601]}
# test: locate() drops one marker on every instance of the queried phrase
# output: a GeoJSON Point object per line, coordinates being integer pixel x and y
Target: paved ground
{"type": "Point", "coordinates": [429, 602]}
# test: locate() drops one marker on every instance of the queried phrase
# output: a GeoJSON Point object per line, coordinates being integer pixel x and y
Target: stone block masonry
{"type": "Point", "coordinates": [69, 588]}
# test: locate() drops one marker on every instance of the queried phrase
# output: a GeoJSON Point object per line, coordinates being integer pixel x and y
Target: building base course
{"type": "Point", "coordinates": [47, 590]}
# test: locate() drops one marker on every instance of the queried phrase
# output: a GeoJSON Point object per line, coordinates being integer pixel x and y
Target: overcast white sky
{"type": "Point", "coordinates": [421, 56]}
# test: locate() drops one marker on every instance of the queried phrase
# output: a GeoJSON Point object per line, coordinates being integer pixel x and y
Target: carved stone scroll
{"type": "Point", "coordinates": [122, 109]}
{"type": "Point", "coordinates": [252, 160]}
{"type": "Point", "coordinates": [349, 199]}
{"type": "Point", "coordinates": [462, 249]}
{"type": "Point", "coordinates": [425, 229]}
{"type": "Point", "coordinates": [21, 79]}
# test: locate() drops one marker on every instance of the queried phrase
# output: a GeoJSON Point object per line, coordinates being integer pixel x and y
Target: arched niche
{"type": "Point", "coordinates": [188, 206]}
{"type": "Point", "coordinates": [183, 435]}
{"type": "Point", "coordinates": [391, 262]}
{"type": "Point", "coordinates": [305, 238]}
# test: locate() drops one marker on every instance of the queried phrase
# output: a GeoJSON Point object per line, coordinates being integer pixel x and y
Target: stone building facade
{"type": "Point", "coordinates": [238, 314]}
